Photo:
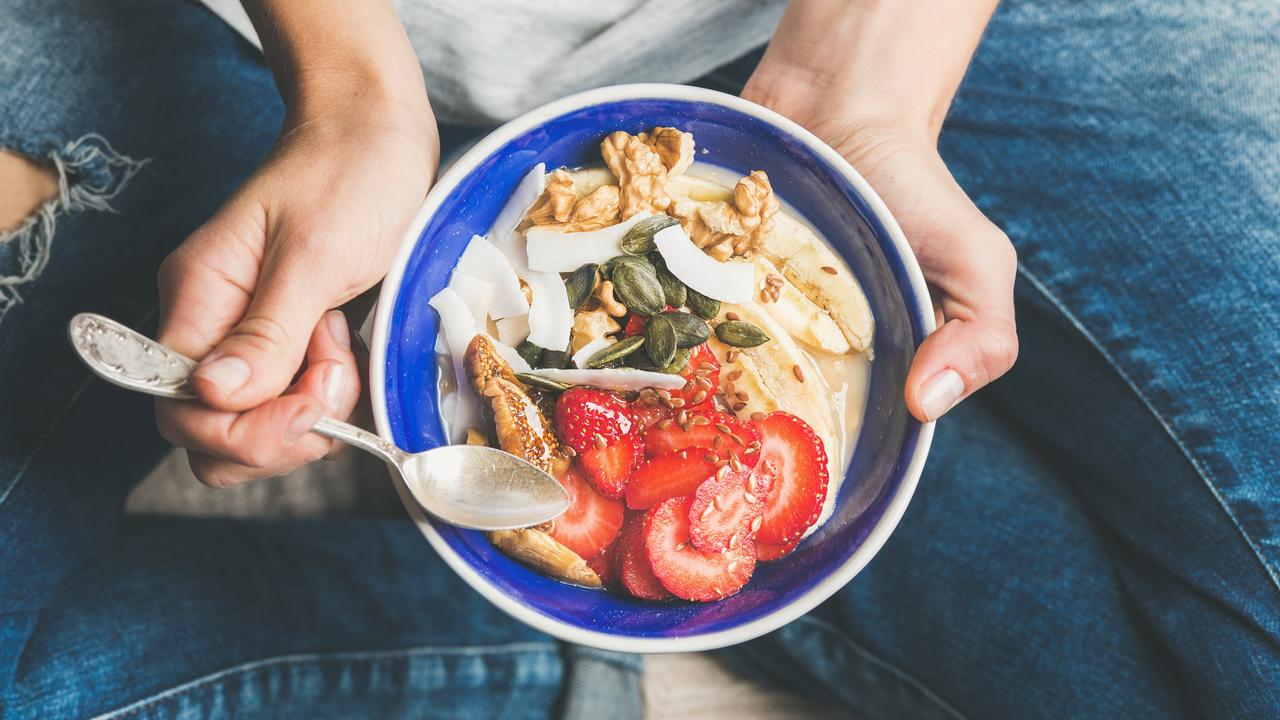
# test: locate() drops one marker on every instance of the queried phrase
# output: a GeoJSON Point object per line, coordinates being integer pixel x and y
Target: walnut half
{"type": "Point", "coordinates": [724, 229]}
{"type": "Point", "coordinates": [560, 208]}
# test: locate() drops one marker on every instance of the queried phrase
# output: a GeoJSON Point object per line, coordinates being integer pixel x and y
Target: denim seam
{"type": "Point", "coordinates": [26, 462]}
{"type": "Point", "coordinates": [837, 633]}
{"type": "Point", "coordinates": [1205, 475]}
{"type": "Point", "coordinates": [286, 660]}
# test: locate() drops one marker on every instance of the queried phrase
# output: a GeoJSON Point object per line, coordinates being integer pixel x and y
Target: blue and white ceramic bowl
{"type": "Point", "coordinates": [829, 194]}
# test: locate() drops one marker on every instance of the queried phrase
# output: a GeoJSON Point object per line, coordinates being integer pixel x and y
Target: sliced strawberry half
{"type": "Point", "coordinates": [646, 416]}
{"type": "Point", "coordinates": [769, 553]}
{"type": "Point", "coordinates": [675, 474]}
{"type": "Point", "coordinates": [605, 563]}
{"type": "Point", "coordinates": [726, 505]}
{"type": "Point", "coordinates": [702, 363]}
{"type": "Point", "coordinates": [610, 467]}
{"type": "Point", "coordinates": [794, 457]}
{"type": "Point", "coordinates": [587, 418]}
{"type": "Point", "coordinates": [634, 570]}
{"type": "Point", "coordinates": [591, 523]}
{"type": "Point", "coordinates": [684, 570]}
{"type": "Point", "coordinates": [719, 432]}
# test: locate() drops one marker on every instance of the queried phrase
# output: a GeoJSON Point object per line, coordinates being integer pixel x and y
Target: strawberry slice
{"type": "Point", "coordinates": [769, 553]}
{"type": "Point", "coordinates": [605, 564]}
{"type": "Point", "coordinates": [591, 523]}
{"type": "Point", "coordinates": [718, 431]}
{"type": "Point", "coordinates": [675, 474]}
{"type": "Point", "coordinates": [646, 415]}
{"type": "Point", "coordinates": [635, 325]}
{"type": "Point", "coordinates": [702, 363]}
{"type": "Point", "coordinates": [793, 455]}
{"type": "Point", "coordinates": [610, 467]}
{"type": "Point", "coordinates": [634, 569]}
{"type": "Point", "coordinates": [725, 505]}
{"type": "Point", "coordinates": [587, 418]}
{"type": "Point", "coordinates": [684, 570]}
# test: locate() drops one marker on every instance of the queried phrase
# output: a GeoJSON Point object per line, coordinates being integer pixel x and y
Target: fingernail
{"type": "Point", "coordinates": [335, 387]}
{"type": "Point", "coordinates": [301, 424]}
{"type": "Point", "coordinates": [941, 393]}
{"type": "Point", "coordinates": [339, 330]}
{"type": "Point", "coordinates": [229, 373]}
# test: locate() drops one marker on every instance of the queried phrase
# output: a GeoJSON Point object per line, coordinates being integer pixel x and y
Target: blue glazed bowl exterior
{"type": "Point", "coordinates": [827, 194]}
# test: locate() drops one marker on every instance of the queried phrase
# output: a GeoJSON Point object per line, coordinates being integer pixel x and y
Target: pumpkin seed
{"type": "Point", "coordinates": [702, 305]}
{"type": "Point", "coordinates": [555, 359]}
{"type": "Point", "coordinates": [672, 289]}
{"type": "Point", "coordinates": [637, 287]}
{"type": "Point", "coordinates": [660, 340]}
{"type": "Point", "coordinates": [639, 239]}
{"type": "Point", "coordinates": [579, 285]}
{"type": "Point", "coordinates": [740, 333]}
{"type": "Point", "coordinates": [677, 363]}
{"type": "Point", "coordinates": [691, 331]}
{"type": "Point", "coordinates": [530, 352]}
{"type": "Point", "coordinates": [542, 383]}
{"type": "Point", "coordinates": [613, 355]}
{"type": "Point", "coordinates": [608, 267]}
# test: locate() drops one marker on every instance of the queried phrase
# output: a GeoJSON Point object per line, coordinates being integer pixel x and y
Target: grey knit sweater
{"type": "Point", "coordinates": [488, 60]}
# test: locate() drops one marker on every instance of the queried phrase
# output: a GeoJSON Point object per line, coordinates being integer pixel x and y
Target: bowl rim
{"type": "Point", "coordinates": [445, 185]}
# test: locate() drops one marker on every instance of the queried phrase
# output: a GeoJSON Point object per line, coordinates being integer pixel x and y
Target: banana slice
{"type": "Point", "coordinates": [796, 313]}
{"type": "Point", "coordinates": [815, 270]}
{"type": "Point", "coordinates": [782, 376]}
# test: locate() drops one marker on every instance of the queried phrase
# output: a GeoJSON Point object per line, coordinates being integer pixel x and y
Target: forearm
{"type": "Point", "coordinates": [325, 52]}
{"type": "Point", "coordinates": [891, 61]}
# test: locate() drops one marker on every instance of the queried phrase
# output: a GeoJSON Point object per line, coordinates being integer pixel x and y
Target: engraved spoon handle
{"type": "Point", "coordinates": [134, 361]}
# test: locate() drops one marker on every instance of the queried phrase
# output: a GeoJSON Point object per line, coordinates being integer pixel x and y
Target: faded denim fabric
{"type": "Point", "coordinates": [1094, 536]}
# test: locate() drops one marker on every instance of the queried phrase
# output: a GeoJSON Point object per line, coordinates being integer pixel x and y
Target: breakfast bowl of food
{"type": "Point", "coordinates": [699, 319]}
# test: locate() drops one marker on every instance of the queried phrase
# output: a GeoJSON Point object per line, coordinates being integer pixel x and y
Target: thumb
{"type": "Point", "coordinates": [957, 359]}
{"type": "Point", "coordinates": [258, 359]}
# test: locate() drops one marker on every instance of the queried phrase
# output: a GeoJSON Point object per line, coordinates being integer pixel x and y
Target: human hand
{"type": "Point", "coordinates": [967, 261]}
{"type": "Point", "coordinates": [251, 291]}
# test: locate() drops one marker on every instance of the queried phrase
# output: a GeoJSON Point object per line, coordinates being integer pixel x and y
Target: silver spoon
{"type": "Point", "coordinates": [470, 486]}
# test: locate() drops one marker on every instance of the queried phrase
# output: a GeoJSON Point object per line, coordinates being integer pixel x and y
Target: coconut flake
{"type": "Point", "coordinates": [615, 378]}
{"type": "Point", "coordinates": [458, 328]}
{"type": "Point", "coordinates": [586, 351]}
{"type": "Point", "coordinates": [522, 198]}
{"type": "Point", "coordinates": [727, 281]}
{"type": "Point", "coordinates": [553, 251]}
{"type": "Point", "coordinates": [483, 261]}
{"type": "Point", "coordinates": [513, 330]}
{"type": "Point", "coordinates": [550, 317]}
{"type": "Point", "coordinates": [476, 294]}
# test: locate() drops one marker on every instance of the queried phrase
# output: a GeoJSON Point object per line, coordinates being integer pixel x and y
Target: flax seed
{"type": "Point", "coordinates": [570, 451]}
{"type": "Point", "coordinates": [722, 464]}
{"type": "Point", "coordinates": [828, 270]}
{"type": "Point", "coordinates": [732, 356]}
{"type": "Point", "coordinates": [700, 420]}
{"type": "Point", "coordinates": [735, 464]}
{"type": "Point", "coordinates": [742, 396]}
{"type": "Point", "coordinates": [772, 280]}
{"type": "Point", "coordinates": [724, 429]}
{"type": "Point", "coordinates": [717, 442]}
{"type": "Point", "coordinates": [795, 370]}
{"type": "Point", "coordinates": [682, 417]}
{"type": "Point", "coordinates": [703, 382]}
{"type": "Point", "coordinates": [664, 424]}
{"type": "Point", "coordinates": [712, 458]}
{"type": "Point", "coordinates": [751, 450]}
{"type": "Point", "coordinates": [677, 403]}
{"type": "Point", "coordinates": [732, 316]}
{"type": "Point", "coordinates": [666, 396]}
{"type": "Point", "coordinates": [704, 365]}
{"type": "Point", "coordinates": [698, 397]}
{"type": "Point", "coordinates": [739, 406]}
{"type": "Point", "coordinates": [735, 375]}
{"type": "Point", "coordinates": [757, 416]}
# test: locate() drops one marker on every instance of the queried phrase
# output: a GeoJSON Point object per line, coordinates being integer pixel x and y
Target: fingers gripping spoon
{"type": "Point", "coordinates": [470, 486]}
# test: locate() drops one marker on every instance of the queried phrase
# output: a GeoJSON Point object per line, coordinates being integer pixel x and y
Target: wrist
{"type": "Point", "coordinates": [885, 63]}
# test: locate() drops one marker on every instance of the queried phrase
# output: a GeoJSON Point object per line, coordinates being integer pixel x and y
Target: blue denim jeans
{"type": "Point", "coordinates": [1096, 535]}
